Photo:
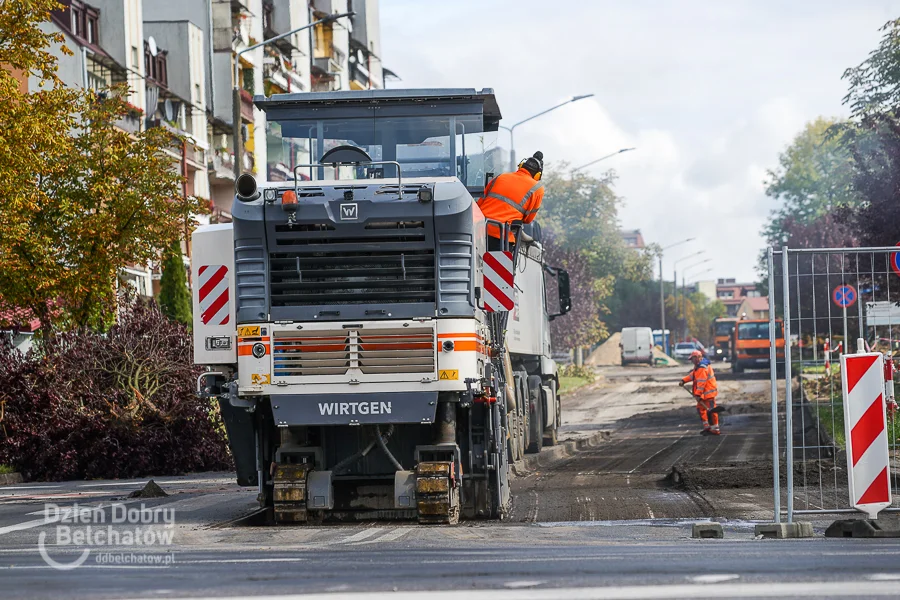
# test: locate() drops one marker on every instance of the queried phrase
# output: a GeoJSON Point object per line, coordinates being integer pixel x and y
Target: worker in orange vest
{"type": "Point", "coordinates": [705, 391]}
{"type": "Point", "coordinates": [513, 197]}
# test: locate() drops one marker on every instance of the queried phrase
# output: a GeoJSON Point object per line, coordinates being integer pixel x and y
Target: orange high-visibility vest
{"type": "Point", "coordinates": [704, 378]}
{"type": "Point", "coordinates": [511, 197]}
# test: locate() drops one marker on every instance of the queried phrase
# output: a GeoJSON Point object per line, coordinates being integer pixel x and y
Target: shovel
{"type": "Point", "coordinates": [718, 409]}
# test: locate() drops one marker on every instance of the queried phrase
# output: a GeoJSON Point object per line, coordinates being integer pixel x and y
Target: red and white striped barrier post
{"type": "Point", "coordinates": [499, 281]}
{"type": "Point", "coordinates": [865, 426]}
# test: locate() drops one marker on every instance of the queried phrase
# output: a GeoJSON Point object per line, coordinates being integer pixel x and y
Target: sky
{"type": "Point", "coordinates": [709, 93]}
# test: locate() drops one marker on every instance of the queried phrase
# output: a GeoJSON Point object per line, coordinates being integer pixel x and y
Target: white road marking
{"type": "Point", "coordinates": [883, 577]}
{"type": "Point", "coordinates": [28, 525]}
{"type": "Point", "coordinates": [358, 537]}
{"type": "Point", "coordinates": [518, 585]}
{"type": "Point", "coordinates": [28, 487]}
{"type": "Point", "coordinates": [637, 592]}
{"type": "Point", "coordinates": [713, 578]}
{"type": "Point", "coordinates": [390, 536]}
{"type": "Point", "coordinates": [115, 484]}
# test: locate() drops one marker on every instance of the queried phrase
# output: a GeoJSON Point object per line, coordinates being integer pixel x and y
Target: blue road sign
{"type": "Point", "coordinates": [844, 295]}
{"type": "Point", "coordinates": [895, 262]}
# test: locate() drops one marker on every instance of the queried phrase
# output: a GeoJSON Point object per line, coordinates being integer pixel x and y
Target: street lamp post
{"type": "Point", "coordinates": [675, 276]}
{"type": "Point", "coordinates": [511, 130]}
{"type": "Point", "coordinates": [684, 290]}
{"type": "Point", "coordinates": [593, 162]}
{"type": "Point", "coordinates": [662, 293]}
{"type": "Point", "coordinates": [237, 142]}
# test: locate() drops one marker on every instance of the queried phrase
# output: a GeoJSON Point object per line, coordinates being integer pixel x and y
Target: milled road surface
{"type": "Point", "coordinates": [565, 530]}
{"type": "Point", "coordinates": [626, 476]}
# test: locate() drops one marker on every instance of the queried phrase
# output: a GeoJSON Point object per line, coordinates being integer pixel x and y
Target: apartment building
{"type": "Point", "coordinates": [733, 293]}
{"type": "Point", "coordinates": [178, 56]}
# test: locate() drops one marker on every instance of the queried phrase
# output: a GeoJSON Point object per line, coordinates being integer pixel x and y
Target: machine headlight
{"type": "Point", "coordinates": [259, 350]}
{"type": "Point", "coordinates": [269, 195]}
{"type": "Point", "coordinates": [718, 351]}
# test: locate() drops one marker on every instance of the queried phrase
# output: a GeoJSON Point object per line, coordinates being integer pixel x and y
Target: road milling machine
{"type": "Point", "coordinates": [371, 358]}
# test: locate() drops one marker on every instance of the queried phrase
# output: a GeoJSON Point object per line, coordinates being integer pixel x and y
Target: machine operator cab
{"type": "Point", "coordinates": [389, 134]}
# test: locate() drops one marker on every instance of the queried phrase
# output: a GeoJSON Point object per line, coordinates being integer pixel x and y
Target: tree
{"type": "Point", "coordinates": [174, 298]}
{"type": "Point", "coordinates": [582, 213]}
{"type": "Point", "coordinates": [874, 85]}
{"type": "Point", "coordinates": [579, 215]}
{"type": "Point", "coordinates": [813, 180]}
{"type": "Point", "coordinates": [582, 326]}
{"type": "Point", "coordinates": [83, 198]}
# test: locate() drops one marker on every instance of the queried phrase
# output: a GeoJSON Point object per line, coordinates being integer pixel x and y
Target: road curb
{"type": "Point", "coordinates": [555, 454]}
{"type": "Point", "coordinates": [10, 478]}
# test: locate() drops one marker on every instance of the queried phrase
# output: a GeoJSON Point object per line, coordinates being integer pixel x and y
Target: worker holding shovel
{"type": "Point", "coordinates": [704, 391]}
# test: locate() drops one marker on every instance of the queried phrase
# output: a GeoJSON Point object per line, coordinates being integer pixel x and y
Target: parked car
{"type": "Point", "coordinates": [683, 350]}
{"type": "Point", "coordinates": [637, 345]}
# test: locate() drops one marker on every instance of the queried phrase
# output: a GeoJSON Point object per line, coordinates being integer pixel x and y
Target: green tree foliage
{"type": "Point", "coordinates": [82, 197]}
{"type": "Point", "coordinates": [582, 213]}
{"type": "Point", "coordinates": [174, 297]}
{"type": "Point", "coordinates": [813, 180]}
{"type": "Point", "coordinates": [874, 85]}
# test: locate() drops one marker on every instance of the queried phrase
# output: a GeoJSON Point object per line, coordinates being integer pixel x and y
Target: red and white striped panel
{"type": "Point", "coordinates": [866, 432]}
{"type": "Point", "coordinates": [213, 294]}
{"type": "Point", "coordinates": [499, 281]}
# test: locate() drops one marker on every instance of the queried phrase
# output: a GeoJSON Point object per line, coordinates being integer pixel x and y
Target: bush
{"type": "Point", "coordinates": [174, 297]}
{"type": "Point", "coordinates": [119, 404]}
{"type": "Point", "coordinates": [576, 371]}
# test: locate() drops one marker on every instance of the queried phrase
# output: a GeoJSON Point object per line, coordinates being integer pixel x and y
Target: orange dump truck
{"type": "Point", "coordinates": [722, 332]}
{"type": "Point", "coordinates": [750, 344]}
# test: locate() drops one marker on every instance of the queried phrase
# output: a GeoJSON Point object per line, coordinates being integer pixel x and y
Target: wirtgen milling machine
{"type": "Point", "coordinates": [348, 319]}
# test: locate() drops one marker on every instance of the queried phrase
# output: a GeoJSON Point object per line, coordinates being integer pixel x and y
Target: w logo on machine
{"type": "Point", "coordinates": [498, 286]}
{"type": "Point", "coordinates": [213, 295]}
{"type": "Point", "coordinates": [349, 212]}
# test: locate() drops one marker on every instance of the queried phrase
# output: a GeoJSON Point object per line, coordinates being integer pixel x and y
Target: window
{"type": "Point", "coordinates": [425, 146]}
{"type": "Point", "coordinates": [758, 331]}
{"type": "Point", "coordinates": [93, 27]}
{"type": "Point", "coordinates": [134, 56]}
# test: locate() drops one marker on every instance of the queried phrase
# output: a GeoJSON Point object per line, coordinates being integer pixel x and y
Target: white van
{"type": "Point", "coordinates": [637, 345]}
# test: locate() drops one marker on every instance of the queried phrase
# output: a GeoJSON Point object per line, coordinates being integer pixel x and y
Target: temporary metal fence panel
{"type": "Point", "coordinates": [827, 299]}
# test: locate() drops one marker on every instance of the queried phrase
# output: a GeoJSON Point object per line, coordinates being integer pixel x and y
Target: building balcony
{"type": "Point", "coordinates": [221, 165]}
{"type": "Point", "coordinates": [329, 59]}
{"type": "Point", "coordinates": [131, 122]}
{"type": "Point", "coordinates": [359, 76]}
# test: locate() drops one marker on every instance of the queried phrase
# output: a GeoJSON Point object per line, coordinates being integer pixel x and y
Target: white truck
{"type": "Point", "coordinates": [637, 345]}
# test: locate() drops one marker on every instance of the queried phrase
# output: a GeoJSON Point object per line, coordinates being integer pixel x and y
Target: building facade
{"type": "Point", "coordinates": [177, 58]}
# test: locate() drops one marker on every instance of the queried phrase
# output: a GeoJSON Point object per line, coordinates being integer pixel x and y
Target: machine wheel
{"type": "Point", "coordinates": [536, 429]}
{"type": "Point", "coordinates": [553, 434]}
{"type": "Point", "coordinates": [512, 440]}
{"type": "Point", "coordinates": [525, 419]}
{"type": "Point", "coordinates": [736, 367]}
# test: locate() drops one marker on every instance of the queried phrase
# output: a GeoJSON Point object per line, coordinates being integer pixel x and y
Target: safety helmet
{"type": "Point", "coordinates": [534, 165]}
{"type": "Point", "coordinates": [696, 354]}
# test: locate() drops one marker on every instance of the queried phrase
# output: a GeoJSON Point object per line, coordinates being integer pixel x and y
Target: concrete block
{"type": "Point", "coordinates": [781, 531]}
{"type": "Point", "coordinates": [859, 528]}
{"type": "Point", "coordinates": [10, 478]}
{"type": "Point", "coordinates": [707, 531]}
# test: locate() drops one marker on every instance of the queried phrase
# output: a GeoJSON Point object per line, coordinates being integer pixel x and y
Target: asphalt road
{"type": "Point", "coordinates": [605, 522]}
